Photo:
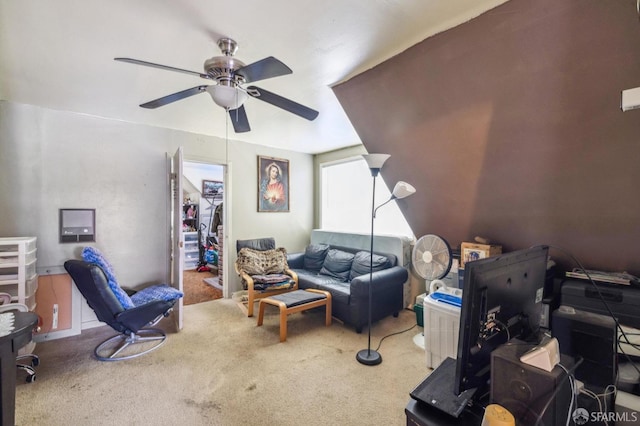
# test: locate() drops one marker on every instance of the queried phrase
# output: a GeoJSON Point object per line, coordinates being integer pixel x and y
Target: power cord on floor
{"type": "Point", "coordinates": [393, 334]}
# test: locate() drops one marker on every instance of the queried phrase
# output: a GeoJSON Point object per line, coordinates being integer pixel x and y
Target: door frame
{"type": "Point", "coordinates": [226, 215]}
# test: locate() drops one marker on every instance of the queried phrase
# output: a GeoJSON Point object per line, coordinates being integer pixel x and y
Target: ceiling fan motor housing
{"type": "Point", "coordinates": [222, 69]}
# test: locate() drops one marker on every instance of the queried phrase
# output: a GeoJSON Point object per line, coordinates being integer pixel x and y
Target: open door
{"type": "Point", "coordinates": [177, 251]}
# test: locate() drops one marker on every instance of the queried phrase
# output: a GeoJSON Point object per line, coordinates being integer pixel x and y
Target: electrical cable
{"type": "Point", "coordinates": [558, 388]}
{"type": "Point", "coordinates": [574, 392]}
{"type": "Point", "coordinates": [393, 334]}
{"type": "Point", "coordinates": [505, 328]}
{"type": "Point", "coordinates": [592, 395]}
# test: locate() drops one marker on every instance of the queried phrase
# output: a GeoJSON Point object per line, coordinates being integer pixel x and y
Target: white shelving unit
{"type": "Point", "coordinates": [18, 275]}
{"type": "Point", "coordinates": [191, 253]}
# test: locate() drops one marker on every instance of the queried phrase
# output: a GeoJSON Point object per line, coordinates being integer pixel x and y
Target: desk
{"type": "Point", "coordinates": [24, 324]}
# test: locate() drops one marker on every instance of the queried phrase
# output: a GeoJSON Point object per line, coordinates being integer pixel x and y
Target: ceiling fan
{"type": "Point", "coordinates": [229, 75]}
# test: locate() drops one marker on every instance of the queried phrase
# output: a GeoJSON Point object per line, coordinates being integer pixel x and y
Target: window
{"type": "Point", "coordinates": [345, 203]}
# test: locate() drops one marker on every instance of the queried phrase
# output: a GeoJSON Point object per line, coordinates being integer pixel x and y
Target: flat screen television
{"type": "Point", "coordinates": [502, 300]}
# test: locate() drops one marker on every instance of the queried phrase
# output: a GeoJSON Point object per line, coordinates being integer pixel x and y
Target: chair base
{"type": "Point", "coordinates": [110, 349]}
{"type": "Point", "coordinates": [29, 369]}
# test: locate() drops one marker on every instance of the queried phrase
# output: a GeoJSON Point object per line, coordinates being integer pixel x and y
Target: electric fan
{"type": "Point", "coordinates": [431, 257]}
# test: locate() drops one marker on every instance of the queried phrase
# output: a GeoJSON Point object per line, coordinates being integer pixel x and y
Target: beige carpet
{"type": "Point", "coordinates": [223, 370]}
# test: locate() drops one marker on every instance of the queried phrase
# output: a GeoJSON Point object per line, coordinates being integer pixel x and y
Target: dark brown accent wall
{"type": "Point", "coordinates": [510, 127]}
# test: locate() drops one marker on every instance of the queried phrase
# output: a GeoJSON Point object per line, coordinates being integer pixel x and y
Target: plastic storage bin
{"type": "Point", "coordinates": [441, 325]}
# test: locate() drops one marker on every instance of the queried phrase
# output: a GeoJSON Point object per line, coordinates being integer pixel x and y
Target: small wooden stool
{"type": "Point", "coordinates": [296, 301]}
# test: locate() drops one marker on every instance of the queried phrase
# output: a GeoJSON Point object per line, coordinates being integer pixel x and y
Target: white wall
{"type": "Point", "coordinates": [52, 159]}
{"type": "Point", "coordinates": [291, 230]}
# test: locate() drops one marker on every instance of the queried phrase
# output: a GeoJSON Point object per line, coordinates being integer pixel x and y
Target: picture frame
{"type": "Point", "coordinates": [273, 184]}
{"type": "Point", "coordinates": [212, 188]}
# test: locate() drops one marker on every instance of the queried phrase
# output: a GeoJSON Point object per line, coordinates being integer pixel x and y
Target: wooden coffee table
{"type": "Point", "coordinates": [296, 301]}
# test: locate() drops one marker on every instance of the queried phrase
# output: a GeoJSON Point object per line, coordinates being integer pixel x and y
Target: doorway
{"type": "Point", "coordinates": [202, 226]}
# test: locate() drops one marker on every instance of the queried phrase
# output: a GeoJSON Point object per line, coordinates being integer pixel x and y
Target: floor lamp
{"type": "Point", "coordinates": [401, 190]}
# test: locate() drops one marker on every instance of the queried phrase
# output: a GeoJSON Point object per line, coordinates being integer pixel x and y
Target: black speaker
{"type": "Point", "coordinates": [528, 392]}
{"type": "Point", "coordinates": [592, 337]}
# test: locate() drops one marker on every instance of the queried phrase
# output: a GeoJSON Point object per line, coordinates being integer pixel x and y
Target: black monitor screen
{"type": "Point", "coordinates": [502, 300]}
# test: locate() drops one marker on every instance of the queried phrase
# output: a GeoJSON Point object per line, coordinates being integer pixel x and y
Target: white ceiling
{"type": "Point", "coordinates": [59, 55]}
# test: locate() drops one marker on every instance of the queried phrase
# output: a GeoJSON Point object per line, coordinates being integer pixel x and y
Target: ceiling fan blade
{"type": "Point", "coordinates": [284, 103]}
{"type": "Point", "coordinates": [162, 67]}
{"type": "Point", "coordinates": [239, 119]}
{"type": "Point", "coordinates": [265, 68]}
{"type": "Point", "coordinates": [174, 97]}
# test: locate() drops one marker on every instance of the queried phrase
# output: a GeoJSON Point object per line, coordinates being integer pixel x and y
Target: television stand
{"type": "Point", "coordinates": [437, 390]}
{"type": "Point", "coordinates": [419, 414]}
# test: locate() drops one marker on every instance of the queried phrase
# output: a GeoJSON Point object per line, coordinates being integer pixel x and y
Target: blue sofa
{"type": "Point", "coordinates": [344, 272]}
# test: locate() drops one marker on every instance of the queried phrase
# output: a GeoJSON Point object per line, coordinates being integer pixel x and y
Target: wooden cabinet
{"type": "Point", "coordinates": [18, 275]}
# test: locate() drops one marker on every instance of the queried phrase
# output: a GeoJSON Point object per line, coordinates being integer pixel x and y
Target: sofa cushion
{"type": "Point", "coordinates": [314, 256]}
{"type": "Point", "coordinates": [362, 263]}
{"type": "Point", "coordinates": [340, 291]}
{"type": "Point", "coordinates": [257, 262]}
{"type": "Point", "coordinates": [337, 264]}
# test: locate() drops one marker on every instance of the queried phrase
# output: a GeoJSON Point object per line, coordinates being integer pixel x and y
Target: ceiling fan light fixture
{"type": "Point", "coordinates": [227, 97]}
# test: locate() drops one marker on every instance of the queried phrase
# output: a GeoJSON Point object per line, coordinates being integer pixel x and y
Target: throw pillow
{"type": "Point", "coordinates": [362, 263]}
{"type": "Point", "coordinates": [262, 262]}
{"type": "Point", "coordinates": [93, 255]}
{"type": "Point", "coordinates": [314, 256]}
{"type": "Point", "coordinates": [337, 264]}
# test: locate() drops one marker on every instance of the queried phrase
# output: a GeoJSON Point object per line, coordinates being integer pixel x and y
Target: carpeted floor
{"type": "Point", "coordinates": [196, 290]}
{"type": "Point", "coordinates": [221, 369]}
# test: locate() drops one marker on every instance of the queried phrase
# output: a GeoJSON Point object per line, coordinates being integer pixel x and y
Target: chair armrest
{"type": "Point", "coordinates": [247, 278]}
{"type": "Point", "coordinates": [296, 260]}
{"type": "Point", "coordinates": [382, 281]}
{"type": "Point", "coordinates": [294, 276]}
{"type": "Point", "coordinates": [139, 316]}
{"type": "Point", "coordinates": [20, 307]}
{"type": "Point", "coordinates": [5, 298]}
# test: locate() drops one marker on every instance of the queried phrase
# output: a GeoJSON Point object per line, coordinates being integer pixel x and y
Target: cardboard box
{"type": "Point", "coordinates": [474, 251]}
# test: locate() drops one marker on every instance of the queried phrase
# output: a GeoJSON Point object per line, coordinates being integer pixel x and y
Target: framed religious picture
{"type": "Point", "coordinates": [273, 184]}
{"type": "Point", "coordinates": [211, 188]}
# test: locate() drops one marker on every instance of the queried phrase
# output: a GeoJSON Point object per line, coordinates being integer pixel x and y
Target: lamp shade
{"type": "Point", "coordinates": [227, 96]}
{"type": "Point", "coordinates": [403, 190]}
{"type": "Point", "coordinates": [375, 161]}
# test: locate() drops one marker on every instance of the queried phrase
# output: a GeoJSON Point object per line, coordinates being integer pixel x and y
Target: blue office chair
{"type": "Point", "coordinates": [132, 315]}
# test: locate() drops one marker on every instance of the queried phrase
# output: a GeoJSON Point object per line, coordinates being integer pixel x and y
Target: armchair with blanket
{"type": "Point", "coordinates": [263, 270]}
